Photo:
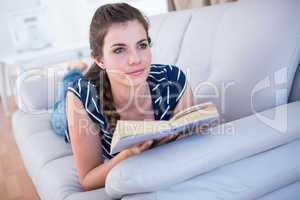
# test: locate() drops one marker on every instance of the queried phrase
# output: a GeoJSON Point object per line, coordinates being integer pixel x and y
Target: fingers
{"type": "Point", "coordinates": [180, 136]}
{"type": "Point", "coordinates": [146, 145]}
{"type": "Point", "coordinates": [139, 148]}
{"type": "Point", "coordinates": [167, 139]}
{"type": "Point", "coordinates": [142, 147]}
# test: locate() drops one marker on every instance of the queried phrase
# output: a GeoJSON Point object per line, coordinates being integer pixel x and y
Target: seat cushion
{"type": "Point", "coordinates": [59, 180]}
{"type": "Point", "coordinates": [249, 178]}
{"type": "Point", "coordinates": [290, 192]}
{"type": "Point", "coordinates": [197, 154]}
{"type": "Point", "coordinates": [37, 142]}
{"type": "Point", "coordinates": [48, 159]}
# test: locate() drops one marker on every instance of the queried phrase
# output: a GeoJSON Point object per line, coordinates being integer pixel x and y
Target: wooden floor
{"type": "Point", "coordinates": [15, 184]}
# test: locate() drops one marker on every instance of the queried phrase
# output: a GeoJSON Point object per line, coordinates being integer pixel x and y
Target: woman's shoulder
{"type": "Point", "coordinates": [87, 93]}
{"type": "Point", "coordinates": [171, 72]}
{"type": "Point", "coordinates": [169, 84]}
{"type": "Point", "coordinates": [82, 87]}
{"type": "Point", "coordinates": [163, 67]}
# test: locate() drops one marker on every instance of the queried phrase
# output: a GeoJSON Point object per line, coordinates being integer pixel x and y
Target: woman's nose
{"type": "Point", "coordinates": [134, 58]}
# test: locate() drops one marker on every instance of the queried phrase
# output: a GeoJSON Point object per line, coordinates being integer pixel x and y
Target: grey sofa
{"type": "Point", "coordinates": [243, 56]}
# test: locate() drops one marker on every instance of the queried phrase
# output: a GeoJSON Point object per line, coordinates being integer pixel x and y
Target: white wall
{"type": "Point", "coordinates": [6, 7]}
{"type": "Point", "coordinates": [68, 19]}
{"type": "Point", "coordinates": [64, 23]}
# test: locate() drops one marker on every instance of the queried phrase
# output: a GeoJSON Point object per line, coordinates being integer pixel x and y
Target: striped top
{"type": "Point", "coordinates": [166, 82]}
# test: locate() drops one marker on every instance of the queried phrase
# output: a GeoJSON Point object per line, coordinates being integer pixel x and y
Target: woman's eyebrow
{"type": "Point", "coordinates": [122, 44]}
{"type": "Point", "coordinates": [118, 44]}
{"type": "Point", "coordinates": [142, 40]}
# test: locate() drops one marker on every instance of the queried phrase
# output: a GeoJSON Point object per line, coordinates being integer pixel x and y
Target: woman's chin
{"type": "Point", "coordinates": [132, 80]}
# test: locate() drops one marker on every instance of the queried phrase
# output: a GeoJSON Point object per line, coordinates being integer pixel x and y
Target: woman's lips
{"type": "Point", "coordinates": [136, 72]}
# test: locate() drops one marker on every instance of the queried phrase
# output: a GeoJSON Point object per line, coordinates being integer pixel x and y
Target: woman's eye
{"type": "Point", "coordinates": [143, 45]}
{"type": "Point", "coordinates": [118, 50]}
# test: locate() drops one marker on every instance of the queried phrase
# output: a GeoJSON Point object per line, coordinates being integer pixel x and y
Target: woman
{"type": "Point", "coordinates": [121, 84]}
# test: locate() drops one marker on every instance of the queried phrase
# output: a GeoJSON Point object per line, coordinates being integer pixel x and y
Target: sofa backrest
{"type": "Point", "coordinates": [242, 56]}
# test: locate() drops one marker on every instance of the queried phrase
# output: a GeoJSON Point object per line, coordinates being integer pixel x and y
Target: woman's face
{"type": "Point", "coordinates": [126, 53]}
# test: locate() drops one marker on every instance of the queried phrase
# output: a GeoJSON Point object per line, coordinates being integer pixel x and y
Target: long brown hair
{"type": "Point", "coordinates": [103, 18]}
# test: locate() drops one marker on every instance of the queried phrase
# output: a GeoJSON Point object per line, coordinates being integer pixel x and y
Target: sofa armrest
{"type": "Point", "coordinates": [45, 83]}
{"type": "Point", "coordinates": [178, 161]}
{"type": "Point", "coordinates": [249, 178]}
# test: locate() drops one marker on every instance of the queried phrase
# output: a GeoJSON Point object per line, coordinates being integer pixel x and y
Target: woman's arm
{"type": "Point", "coordinates": [87, 147]}
{"type": "Point", "coordinates": [187, 100]}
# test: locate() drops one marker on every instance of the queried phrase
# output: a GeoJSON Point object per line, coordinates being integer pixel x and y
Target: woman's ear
{"type": "Point", "coordinates": [99, 62]}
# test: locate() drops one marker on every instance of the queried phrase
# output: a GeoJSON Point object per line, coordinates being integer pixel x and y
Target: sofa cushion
{"type": "Point", "coordinates": [167, 34]}
{"type": "Point", "coordinates": [191, 156]}
{"type": "Point", "coordinates": [249, 178]}
{"type": "Point", "coordinates": [245, 55]}
{"type": "Point", "coordinates": [37, 142]}
{"type": "Point", "coordinates": [59, 180]}
{"type": "Point", "coordinates": [99, 194]}
{"type": "Point", "coordinates": [25, 124]}
{"type": "Point", "coordinates": [291, 192]}
{"type": "Point", "coordinates": [48, 159]}
{"type": "Point", "coordinates": [198, 42]}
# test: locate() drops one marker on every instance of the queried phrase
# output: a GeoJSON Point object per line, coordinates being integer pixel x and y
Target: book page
{"type": "Point", "coordinates": [203, 106]}
{"type": "Point", "coordinates": [193, 114]}
{"type": "Point", "coordinates": [128, 141]}
{"type": "Point", "coordinates": [130, 132]}
{"type": "Point", "coordinates": [126, 128]}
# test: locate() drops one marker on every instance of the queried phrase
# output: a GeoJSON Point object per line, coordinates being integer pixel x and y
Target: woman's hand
{"type": "Point", "coordinates": [174, 137]}
{"type": "Point", "coordinates": [166, 140]}
{"type": "Point", "coordinates": [139, 148]}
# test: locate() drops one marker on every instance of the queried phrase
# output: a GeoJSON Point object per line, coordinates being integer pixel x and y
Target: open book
{"type": "Point", "coordinates": [130, 132]}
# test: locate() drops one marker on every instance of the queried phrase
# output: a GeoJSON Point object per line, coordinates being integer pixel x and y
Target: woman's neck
{"type": "Point", "coordinates": [129, 97]}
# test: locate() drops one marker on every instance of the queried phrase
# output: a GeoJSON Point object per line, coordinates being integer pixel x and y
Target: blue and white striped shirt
{"type": "Point", "coordinates": [167, 84]}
